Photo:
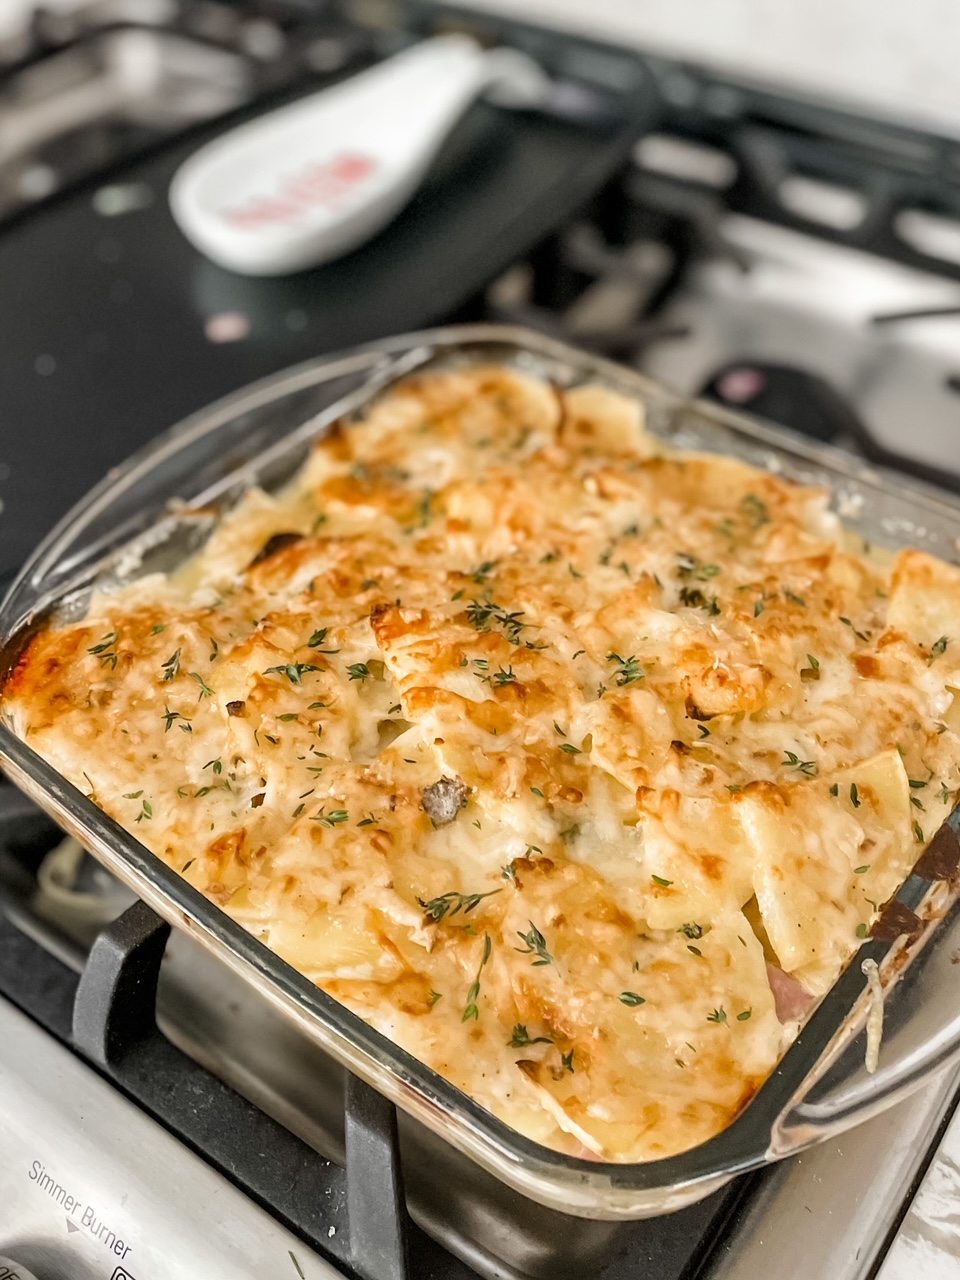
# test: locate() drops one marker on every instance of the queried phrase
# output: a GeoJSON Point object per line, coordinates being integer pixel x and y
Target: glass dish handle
{"type": "Point", "coordinates": [921, 1033]}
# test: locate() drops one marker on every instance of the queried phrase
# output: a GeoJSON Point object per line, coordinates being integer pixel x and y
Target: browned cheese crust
{"type": "Point", "coordinates": [536, 744]}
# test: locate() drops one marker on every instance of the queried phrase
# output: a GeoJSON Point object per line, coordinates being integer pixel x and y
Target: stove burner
{"type": "Point", "coordinates": [738, 386]}
{"type": "Point", "coordinates": [791, 397]}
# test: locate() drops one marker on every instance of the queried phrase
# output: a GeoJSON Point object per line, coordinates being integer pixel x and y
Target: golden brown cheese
{"type": "Point", "coordinates": [681, 735]}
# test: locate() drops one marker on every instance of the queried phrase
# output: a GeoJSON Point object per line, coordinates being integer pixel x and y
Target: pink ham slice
{"type": "Point", "coordinates": [792, 1000]}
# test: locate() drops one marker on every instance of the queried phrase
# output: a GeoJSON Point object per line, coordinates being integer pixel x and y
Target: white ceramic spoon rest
{"type": "Point", "coordinates": [313, 180]}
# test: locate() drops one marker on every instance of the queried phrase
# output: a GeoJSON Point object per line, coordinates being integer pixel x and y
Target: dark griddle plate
{"type": "Point", "coordinates": [118, 305]}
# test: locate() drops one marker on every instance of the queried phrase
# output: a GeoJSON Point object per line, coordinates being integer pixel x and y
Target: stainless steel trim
{"type": "Point", "coordinates": [123, 1195]}
{"type": "Point", "coordinates": [827, 1212]}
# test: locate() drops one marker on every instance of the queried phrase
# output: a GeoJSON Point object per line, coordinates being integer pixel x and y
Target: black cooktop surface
{"type": "Point", "coordinates": [112, 327]}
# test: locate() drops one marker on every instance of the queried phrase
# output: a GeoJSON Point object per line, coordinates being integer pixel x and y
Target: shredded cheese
{"type": "Point", "coordinates": [535, 743]}
{"type": "Point", "coordinates": [871, 972]}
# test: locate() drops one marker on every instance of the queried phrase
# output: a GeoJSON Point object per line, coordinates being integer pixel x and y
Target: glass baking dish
{"type": "Point", "coordinates": [154, 511]}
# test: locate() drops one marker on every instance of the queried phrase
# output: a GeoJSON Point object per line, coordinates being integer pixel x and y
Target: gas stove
{"type": "Point", "coordinates": [774, 254]}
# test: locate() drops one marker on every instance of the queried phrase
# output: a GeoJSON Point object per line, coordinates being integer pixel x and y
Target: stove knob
{"type": "Point", "coordinates": [10, 1270]}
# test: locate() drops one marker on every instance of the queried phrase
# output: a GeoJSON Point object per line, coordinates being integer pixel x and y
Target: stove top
{"type": "Point", "coordinates": [115, 326]}
{"type": "Point", "coordinates": [776, 255]}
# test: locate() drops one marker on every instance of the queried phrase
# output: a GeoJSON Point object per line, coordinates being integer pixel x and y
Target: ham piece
{"type": "Point", "coordinates": [792, 1000]}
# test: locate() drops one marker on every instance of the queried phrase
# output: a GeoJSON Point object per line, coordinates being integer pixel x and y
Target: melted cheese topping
{"type": "Point", "coordinates": [695, 740]}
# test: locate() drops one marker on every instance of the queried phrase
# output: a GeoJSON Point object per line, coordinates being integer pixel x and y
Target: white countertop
{"type": "Point", "coordinates": [892, 58]}
{"type": "Point", "coordinates": [889, 57]}
{"type": "Point", "coordinates": [927, 1246]}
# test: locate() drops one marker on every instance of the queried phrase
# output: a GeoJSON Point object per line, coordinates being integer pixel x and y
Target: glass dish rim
{"type": "Point", "coordinates": [744, 1144]}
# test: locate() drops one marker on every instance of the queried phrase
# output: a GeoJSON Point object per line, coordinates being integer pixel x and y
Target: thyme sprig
{"type": "Point", "coordinates": [690, 567]}
{"type": "Point", "coordinates": [936, 649]}
{"type": "Point", "coordinates": [694, 598]}
{"type": "Point", "coordinates": [481, 573]}
{"type": "Point", "coordinates": [317, 639]}
{"type": "Point", "coordinates": [755, 510]}
{"type": "Point", "coordinates": [483, 614]}
{"type": "Point", "coordinates": [205, 690]}
{"type": "Point", "coordinates": [171, 668]}
{"type": "Point", "coordinates": [792, 761]}
{"type": "Point", "coordinates": [535, 944]}
{"type": "Point", "coordinates": [146, 810]}
{"type": "Point", "coordinates": [294, 671]}
{"type": "Point", "coordinates": [521, 1038]}
{"type": "Point", "coordinates": [472, 1010]}
{"type": "Point", "coordinates": [335, 818]}
{"type": "Point", "coordinates": [105, 650]}
{"type": "Point", "coordinates": [691, 930]}
{"type": "Point", "coordinates": [629, 669]}
{"type": "Point", "coordinates": [451, 903]}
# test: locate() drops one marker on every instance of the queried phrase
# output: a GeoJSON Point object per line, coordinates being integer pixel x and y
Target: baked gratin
{"type": "Point", "coordinates": [575, 765]}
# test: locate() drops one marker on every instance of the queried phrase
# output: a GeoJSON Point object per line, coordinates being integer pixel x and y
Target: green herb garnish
{"type": "Point", "coordinates": [205, 690]}
{"type": "Point", "coordinates": [481, 614]}
{"type": "Point", "coordinates": [793, 761]}
{"type": "Point", "coordinates": [333, 819]}
{"type": "Point", "coordinates": [521, 1038]}
{"type": "Point", "coordinates": [690, 567]}
{"type": "Point", "coordinates": [694, 598]}
{"type": "Point", "coordinates": [294, 671]}
{"type": "Point", "coordinates": [472, 1011]}
{"type": "Point", "coordinates": [318, 638]}
{"type": "Point", "coordinates": [171, 668]}
{"type": "Point", "coordinates": [755, 510]}
{"type": "Point", "coordinates": [451, 903]}
{"type": "Point", "coordinates": [104, 650]}
{"type": "Point", "coordinates": [535, 944]}
{"type": "Point", "coordinates": [629, 669]}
